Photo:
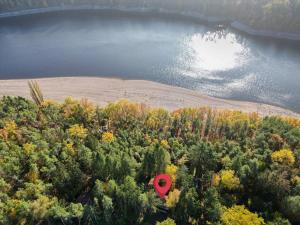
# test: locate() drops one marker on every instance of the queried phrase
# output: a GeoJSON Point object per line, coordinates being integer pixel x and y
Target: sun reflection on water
{"type": "Point", "coordinates": [210, 52]}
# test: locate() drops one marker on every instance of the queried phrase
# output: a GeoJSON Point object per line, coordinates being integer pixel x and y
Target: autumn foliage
{"type": "Point", "coordinates": [76, 163]}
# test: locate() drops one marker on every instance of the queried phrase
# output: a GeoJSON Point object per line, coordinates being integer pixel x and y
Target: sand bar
{"type": "Point", "coordinates": [105, 90]}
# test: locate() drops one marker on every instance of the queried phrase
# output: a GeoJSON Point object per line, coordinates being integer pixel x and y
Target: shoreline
{"type": "Point", "coordinates": [237, 25]}
{"type": "Point", "coordinates": [102, 91]}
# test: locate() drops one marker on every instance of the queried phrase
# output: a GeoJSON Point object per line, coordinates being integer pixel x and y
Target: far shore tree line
{"type": "Point", "coordinates": [275, 15]}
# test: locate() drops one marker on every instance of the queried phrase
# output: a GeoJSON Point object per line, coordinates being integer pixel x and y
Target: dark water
{"type": "Point", "coordinates": [215, 61]}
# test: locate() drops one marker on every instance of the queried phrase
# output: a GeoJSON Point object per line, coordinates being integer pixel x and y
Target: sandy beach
{"type": "Point", "coordinates": [104, 90]}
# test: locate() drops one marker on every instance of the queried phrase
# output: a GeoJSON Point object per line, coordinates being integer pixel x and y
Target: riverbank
{"type": "Point", "coordinates": [192, 15]}
{"type": "Point", "coordinates": [104, 90]}
{"type": "Point", "coordinates": [237, 25]}
{"type": "Point", "coordinates": [264, 33]}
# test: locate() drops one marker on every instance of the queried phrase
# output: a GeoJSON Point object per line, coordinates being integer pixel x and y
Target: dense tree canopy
{"type": "Point", "coordinates": [75, 163]}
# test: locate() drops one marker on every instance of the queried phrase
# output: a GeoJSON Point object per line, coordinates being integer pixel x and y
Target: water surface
{"type": "Point", "coordinates": [215, 61]}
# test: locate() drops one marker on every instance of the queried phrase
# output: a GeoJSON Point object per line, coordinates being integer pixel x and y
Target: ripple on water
{"type": "Point", "coordinates": [218, 62]}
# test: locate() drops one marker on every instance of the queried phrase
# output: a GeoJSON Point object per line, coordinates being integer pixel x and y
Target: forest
{"type": "Point", "coordinates": [73, 162]}
{"type": "Point", "coordinates": [274, 15]}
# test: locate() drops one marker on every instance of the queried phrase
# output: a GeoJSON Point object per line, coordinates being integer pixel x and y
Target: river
{"type": "Point", "coordinates": [212, 60]}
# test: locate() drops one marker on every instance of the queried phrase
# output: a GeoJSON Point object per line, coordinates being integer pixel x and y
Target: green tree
{"type": "Point", "coordinates": [187, 210]}
{"type": "Point", "coordinates": [291, 208]}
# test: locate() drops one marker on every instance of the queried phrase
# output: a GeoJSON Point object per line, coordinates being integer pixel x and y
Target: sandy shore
{"type": "Point", "coordinates": [105, 90]}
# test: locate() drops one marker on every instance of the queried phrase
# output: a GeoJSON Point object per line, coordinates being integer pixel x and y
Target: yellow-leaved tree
{"type": "Point", "coordinates": [172, 198]}
{"type": "Point", "coordinates": [88, 107]}
{"type": "Point", "coordinates": [10, 129]}
{"type": "Point", "coordinates": [239, 215]}
{"type": "Point", "coordinates": [171, 170]}
{"type": "Point", "coordinates": [33, 174]}
{"type": "Point", "coordinates": [77, 131]}
{"type": "Point", "coordinates": [69, 106]}
{"type": "Point", "coordinates": [107, 137]}
{"type": "Point", "coordinates": [215, 180]}
{"type": "Point", "coordinates": [284, 156]}
{"type": "Point", "coordinates": [29, 148]}
{"type": "Point", "coordinates": [229, 180]}
{"type": "Point", "coordinates": [168, 221]}
{"type": "Point", "coordinates": [164, 144]}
